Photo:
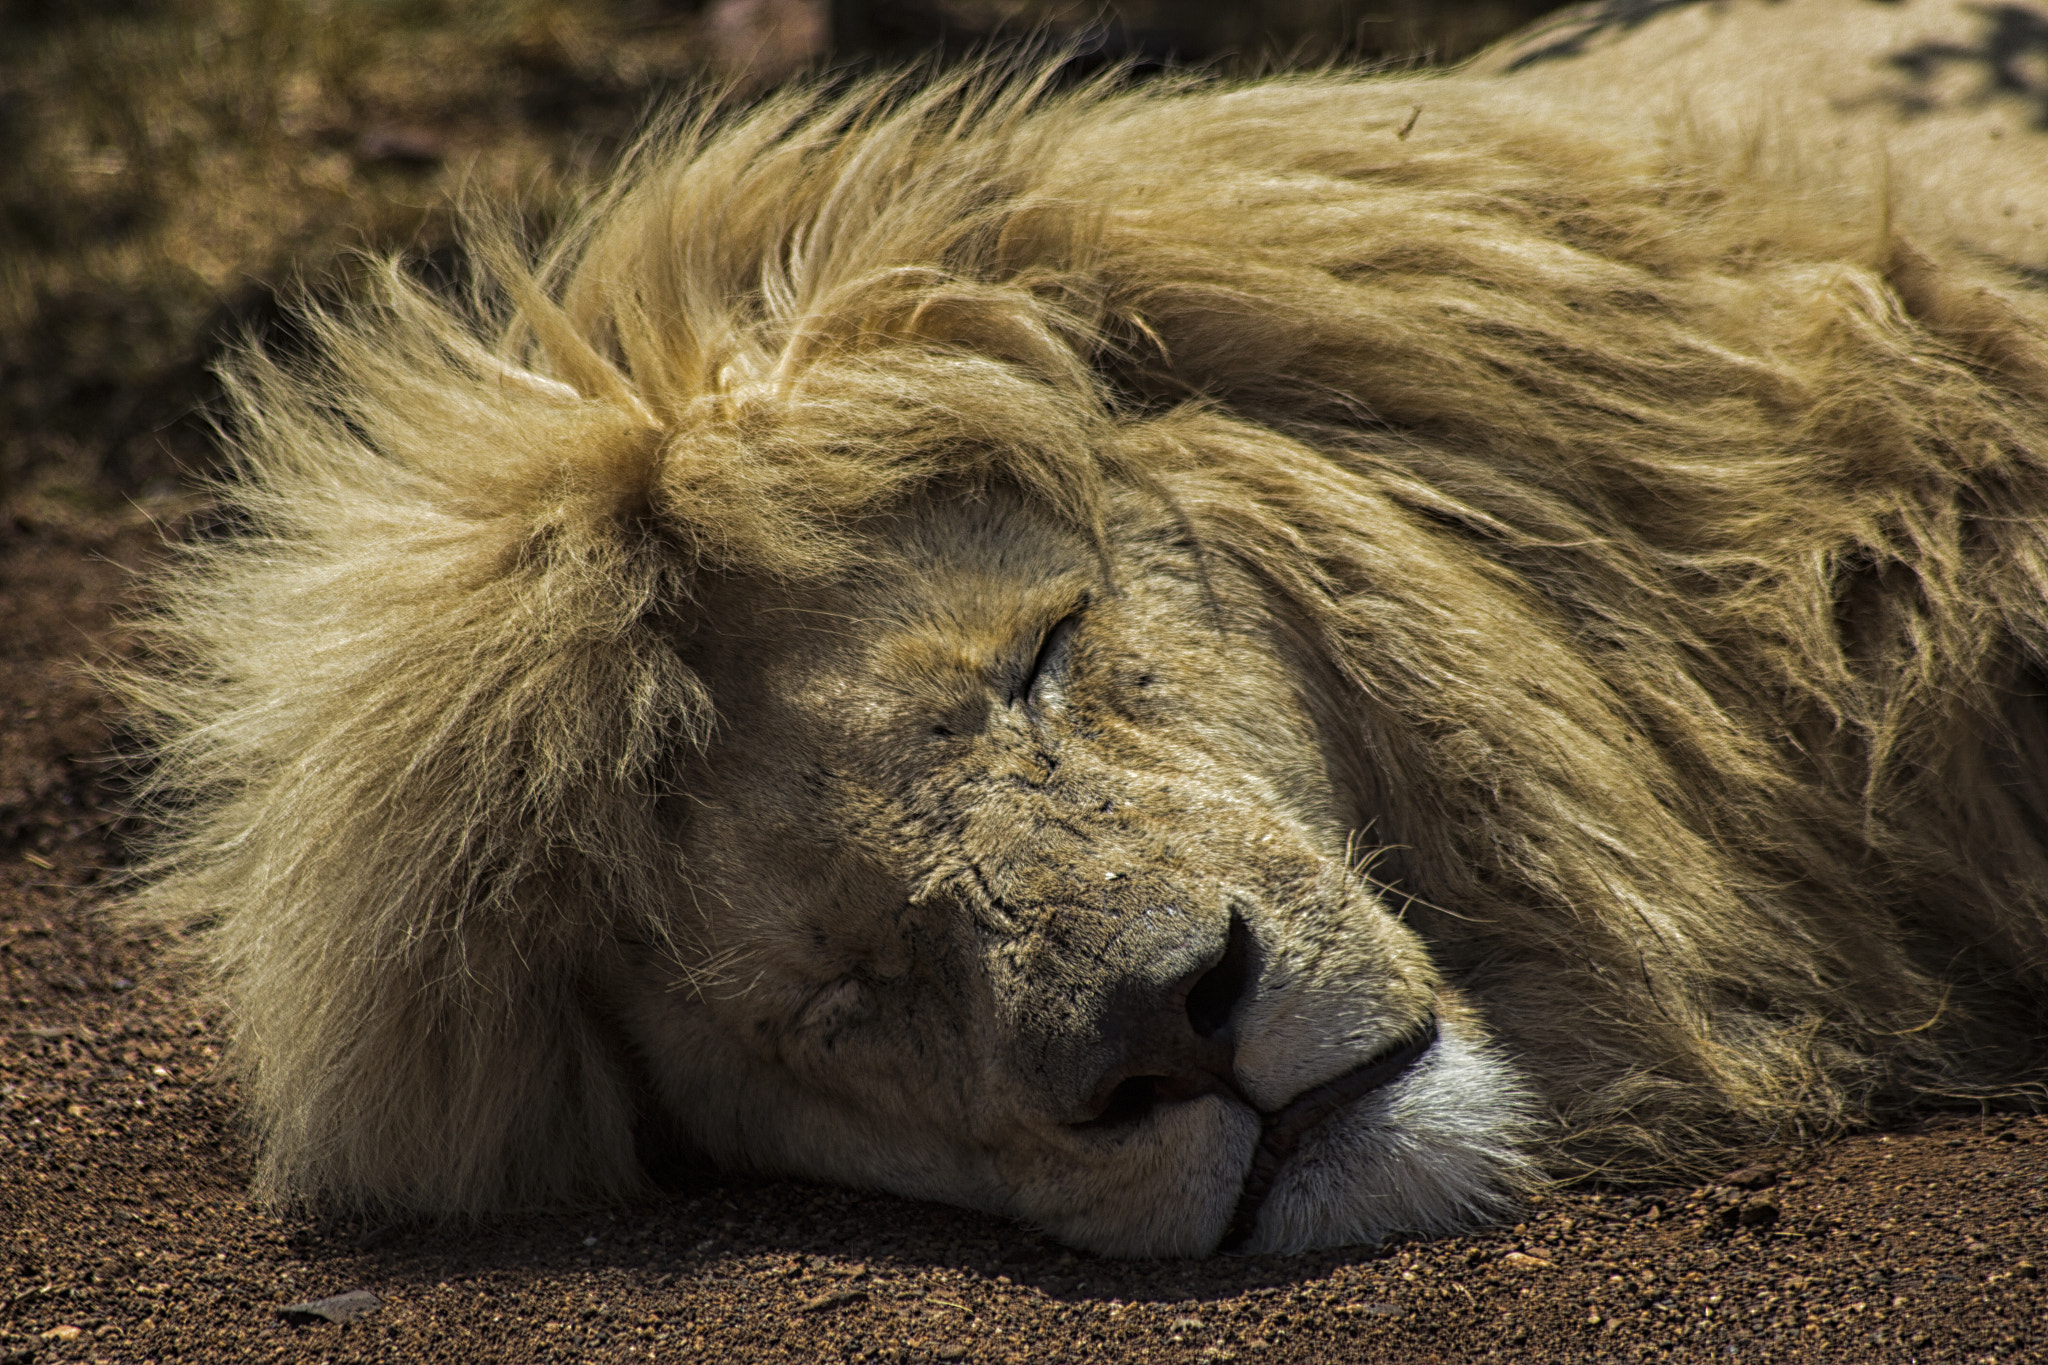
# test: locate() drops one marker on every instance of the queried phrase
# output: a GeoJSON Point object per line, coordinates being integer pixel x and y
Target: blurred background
{"type": "Point", "coordinates": [175, 171]}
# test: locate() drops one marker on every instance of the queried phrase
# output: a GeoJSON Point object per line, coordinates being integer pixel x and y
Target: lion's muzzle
{"type": "Point", "coordinates": [1286, 1126]}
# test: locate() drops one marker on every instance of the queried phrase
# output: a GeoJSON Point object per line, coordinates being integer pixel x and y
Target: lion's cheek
{"type": "Point", "coordinates": [1167, 1188]}
{"type": "Point", "coordinates": [747, 1113]}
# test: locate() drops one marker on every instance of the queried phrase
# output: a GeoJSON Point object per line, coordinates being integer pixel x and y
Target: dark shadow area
{"type": "Point", "coordinates": [2011, 56]}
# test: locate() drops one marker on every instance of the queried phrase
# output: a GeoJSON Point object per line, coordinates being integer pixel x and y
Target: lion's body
{"type": "Point", "coordinates": [1584, 584]}
{"type": "Point", "coordinates": [1946, 102]}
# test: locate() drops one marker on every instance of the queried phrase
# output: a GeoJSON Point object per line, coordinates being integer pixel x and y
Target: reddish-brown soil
{"type": "Point", "coordinates": [125, 1234]}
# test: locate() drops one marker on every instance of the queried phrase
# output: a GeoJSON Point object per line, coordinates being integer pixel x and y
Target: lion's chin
{"type": "Point", "coordinates": [1433, 1152]}
{"type": "Point", "coordinates": [1153, 1200]}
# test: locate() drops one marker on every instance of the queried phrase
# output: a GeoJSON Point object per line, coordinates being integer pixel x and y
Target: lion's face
{"type": "Point", "coordinates": [1020, 880]}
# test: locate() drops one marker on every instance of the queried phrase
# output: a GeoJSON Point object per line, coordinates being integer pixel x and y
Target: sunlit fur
{"type": "Point", "coordinates": [1663, 537]}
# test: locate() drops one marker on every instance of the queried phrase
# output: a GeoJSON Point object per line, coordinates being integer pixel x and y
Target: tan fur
{"type": "Point", "coordinates": [1949, 101]}
{"type": "Point", "coordinates": [1596, 574]}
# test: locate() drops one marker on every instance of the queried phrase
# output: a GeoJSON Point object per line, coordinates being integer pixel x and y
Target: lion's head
{"type": "Point", "coordinates": [1026, 884]}
{"type": "Point", "coordinates": [1193, 665]}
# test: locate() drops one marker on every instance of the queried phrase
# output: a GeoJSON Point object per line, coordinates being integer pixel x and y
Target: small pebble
{"type": "Point", "coordinates": [342, 1308]}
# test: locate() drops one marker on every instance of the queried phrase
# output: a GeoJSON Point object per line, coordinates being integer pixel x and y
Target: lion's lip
{"type": "Point", "coordinates": [1286, 1126]}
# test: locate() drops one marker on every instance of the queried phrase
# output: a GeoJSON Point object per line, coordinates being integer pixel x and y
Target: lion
{"type": "Point", "coordinates": [1200, 664]}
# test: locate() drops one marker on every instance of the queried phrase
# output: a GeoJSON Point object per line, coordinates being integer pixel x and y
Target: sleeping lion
{"type": "Point", "coordinates": [1202, 665]}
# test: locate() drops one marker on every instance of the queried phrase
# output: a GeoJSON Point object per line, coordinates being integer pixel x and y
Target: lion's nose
{"type": "Point", "coordinates": [1176, 1045]}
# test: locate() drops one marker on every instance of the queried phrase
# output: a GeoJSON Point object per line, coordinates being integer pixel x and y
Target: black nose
{"type": "Point", "coordinates": [1178, 1044]}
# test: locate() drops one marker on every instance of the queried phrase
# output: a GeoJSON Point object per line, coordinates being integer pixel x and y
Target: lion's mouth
{"type": "Point", "coordinates": [1285, 1127]}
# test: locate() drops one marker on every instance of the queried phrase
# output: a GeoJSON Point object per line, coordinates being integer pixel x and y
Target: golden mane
{"type": "Point", "coordinates": [1674, 535]}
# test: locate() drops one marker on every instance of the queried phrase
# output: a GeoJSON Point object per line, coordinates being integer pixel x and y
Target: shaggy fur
{"type": "Point", "coordinates": [1653, 538]}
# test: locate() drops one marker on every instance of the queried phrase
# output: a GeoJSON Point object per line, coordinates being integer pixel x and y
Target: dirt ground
{"type": "Point", "coordinates": [125, 1234]}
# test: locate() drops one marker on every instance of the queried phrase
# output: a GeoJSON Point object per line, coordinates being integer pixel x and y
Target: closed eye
{"type": "Point", "coordinates": [1048, 670]}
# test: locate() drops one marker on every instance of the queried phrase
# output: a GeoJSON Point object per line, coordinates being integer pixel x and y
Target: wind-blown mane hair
{"type": "Point", "coordinates": [1669, 535]}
